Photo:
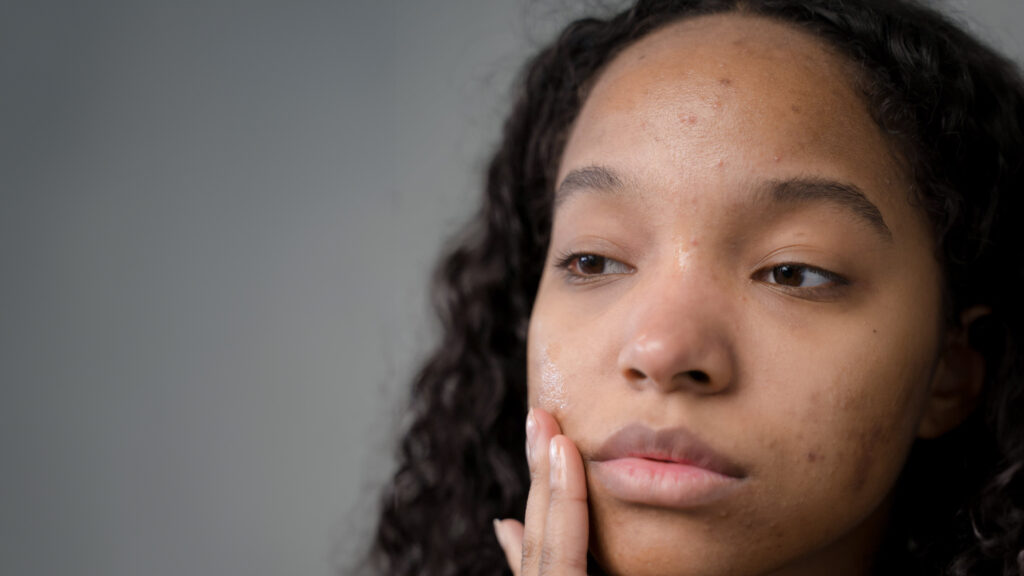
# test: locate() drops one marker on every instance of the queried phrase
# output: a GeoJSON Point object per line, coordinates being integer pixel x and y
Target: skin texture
{"type": "Point", "coordinates": [816, 390]}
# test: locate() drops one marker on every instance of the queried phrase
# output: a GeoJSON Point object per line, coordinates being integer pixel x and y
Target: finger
{"type": "Point", "coordinates": [564, 551]}
{"type": "Point", "coordinates": [540, 428]}
{"type": "Point", "coordinates": [510, 536]}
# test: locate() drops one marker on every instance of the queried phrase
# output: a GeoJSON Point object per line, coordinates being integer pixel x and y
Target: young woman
{"type": "Point", "coordinates": [745, 283]}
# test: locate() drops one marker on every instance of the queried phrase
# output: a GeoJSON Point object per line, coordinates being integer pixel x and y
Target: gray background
{"type": "Point", "coordinates": [216, 225]}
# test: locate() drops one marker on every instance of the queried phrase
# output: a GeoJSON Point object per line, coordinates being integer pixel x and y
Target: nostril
{"type": "Point", "coordinates": [699, 376]}
{"type": "Point", "coordinates": [635, 374]}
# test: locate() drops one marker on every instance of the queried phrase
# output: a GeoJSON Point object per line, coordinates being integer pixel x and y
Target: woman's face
{"type": "Point", "coordinates": [735, 281]}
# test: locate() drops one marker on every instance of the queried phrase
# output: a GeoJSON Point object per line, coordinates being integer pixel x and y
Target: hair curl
{"type": "Point", "coordinates": [954, 110]}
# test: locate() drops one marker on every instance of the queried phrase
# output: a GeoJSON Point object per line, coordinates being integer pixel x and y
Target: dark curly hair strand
{"type": "Point", "coordinates": [954, 111]}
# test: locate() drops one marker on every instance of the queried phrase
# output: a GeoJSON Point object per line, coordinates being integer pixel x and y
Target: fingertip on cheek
{"type": "Point", "coordinates": [556, 457]}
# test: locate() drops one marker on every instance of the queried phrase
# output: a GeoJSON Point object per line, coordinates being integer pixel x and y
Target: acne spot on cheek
{"type": "Point", "coordinates": [795, 109]}
{"type": "Point", "coordinates": [688, 119]}
{"type": "Point", "coordinates": [814, 456]}
{"type": "Point", "coordinates": [725, 81]}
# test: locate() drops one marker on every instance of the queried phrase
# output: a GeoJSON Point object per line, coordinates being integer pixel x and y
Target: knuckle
{"type": "Point", "coordinates": [575, 498]}
{"type": "Point", "coordinates": [530, 547]}
{"type": "Point", "coordinates": [565, 500]}
{"type": "Point", "coordinates": [547, 561]}
{"type": "Point", "coordinates": [552, 561]}
{"type": "Point", "coordinates": [535, 474]}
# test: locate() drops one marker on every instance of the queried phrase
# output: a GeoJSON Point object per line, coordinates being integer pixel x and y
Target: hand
{"type": "Point", "coordinates": [554, 540]}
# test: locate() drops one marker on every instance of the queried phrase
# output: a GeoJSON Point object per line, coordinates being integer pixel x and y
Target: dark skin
{"type": "Point", "coordinates": [795, 331]}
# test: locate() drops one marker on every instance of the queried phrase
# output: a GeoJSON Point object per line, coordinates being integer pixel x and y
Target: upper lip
{"type": "Point", "coordinates": [677, 445]}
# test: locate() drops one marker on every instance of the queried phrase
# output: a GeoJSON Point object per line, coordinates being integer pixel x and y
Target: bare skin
{"type": "Point", "coordinates": [735, 266]}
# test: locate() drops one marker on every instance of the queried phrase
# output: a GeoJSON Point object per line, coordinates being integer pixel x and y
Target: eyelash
{"type": "Point", "coordinates": [565, 262]}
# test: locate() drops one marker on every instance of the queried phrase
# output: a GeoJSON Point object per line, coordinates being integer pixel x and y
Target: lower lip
{"type": "Point", "coordinates": [662, 484]}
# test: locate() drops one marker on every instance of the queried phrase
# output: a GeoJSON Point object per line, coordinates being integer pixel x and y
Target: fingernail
{"type": "Point", "coordinates": [531, 431]}
{"type": "Point", "coordinates": [499, 532]}
{"type": "Point", "coordinates": [556, 457]}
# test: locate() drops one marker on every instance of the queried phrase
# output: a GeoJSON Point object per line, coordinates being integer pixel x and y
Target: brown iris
{"type": "Point", "coordinates": [789, 275]}
{"type": "Point", "coordinates": [590, 264]}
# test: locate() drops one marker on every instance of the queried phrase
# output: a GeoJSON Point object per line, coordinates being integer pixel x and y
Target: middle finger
{"type": "Point", "coordinates": [540, 428]}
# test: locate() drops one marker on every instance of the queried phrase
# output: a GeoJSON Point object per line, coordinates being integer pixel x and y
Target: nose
{"type": "Point", "coordinates": [677, 338]}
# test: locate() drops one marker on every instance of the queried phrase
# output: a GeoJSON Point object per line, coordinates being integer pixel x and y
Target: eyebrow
{"type": "Point", "coordinates": [793, 191]}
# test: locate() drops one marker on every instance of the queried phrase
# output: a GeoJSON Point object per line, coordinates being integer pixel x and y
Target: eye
{"type": "Point", "coordinates": [580, 266]}
{"type": "Point", "coordinates": [803, 277]}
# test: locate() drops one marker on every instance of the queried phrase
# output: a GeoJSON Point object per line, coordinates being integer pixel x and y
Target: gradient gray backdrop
{"type": "Point", "coordinates": [216, 224]}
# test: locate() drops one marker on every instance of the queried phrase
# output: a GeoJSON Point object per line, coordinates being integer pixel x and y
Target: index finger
{"type": "Point", "coordinates": [541, 427]}
{"type": "Point", "coordinates": [566, 532]}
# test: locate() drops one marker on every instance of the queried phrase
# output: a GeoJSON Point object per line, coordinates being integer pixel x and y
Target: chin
{"type": "Point", "coordinates": [641, 541]}
{"type": "Point", "coordinates": [657, 561]}
{"type": "Point", "coordinates": [726, 541]}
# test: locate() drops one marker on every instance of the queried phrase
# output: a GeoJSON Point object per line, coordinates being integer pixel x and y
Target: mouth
{"type": "Point", "coordinates": [666, 468]}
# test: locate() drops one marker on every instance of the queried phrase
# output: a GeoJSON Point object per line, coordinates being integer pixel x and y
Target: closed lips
{"type": "Point", "coordinates": [671, 445]}
{"type": "Point", "coordinates": [665, 468]}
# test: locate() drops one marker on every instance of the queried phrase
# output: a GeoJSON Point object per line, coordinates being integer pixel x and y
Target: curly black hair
{"type": "Point", "coordinates": [954, 111]}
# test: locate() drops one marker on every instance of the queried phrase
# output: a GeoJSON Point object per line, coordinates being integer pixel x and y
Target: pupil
{"type": "Point", "coordinates": [789, 273]}
{"type": "Point", "coordinates": [591, 264]}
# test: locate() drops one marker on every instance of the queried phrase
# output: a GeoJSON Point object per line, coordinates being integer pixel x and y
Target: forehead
{"type": "Point", "coordinates": [729, 60]}
{"type": "Point", "coordinates": [741, 43]}
{"type": "Point", "coordinates": [727, 101]}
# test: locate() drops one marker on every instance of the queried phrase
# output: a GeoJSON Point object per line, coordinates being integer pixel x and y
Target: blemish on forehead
{"type": "Point", "coordinates": [725, 81]}
{"type": "Point", "coordinates": [682, 256]}
{"type": "Point", "coordinates": [683, 250]}
{"type": "Point", "coordinates": [795, 109]}
{"type": "Point", "coordinates": [688, 118]}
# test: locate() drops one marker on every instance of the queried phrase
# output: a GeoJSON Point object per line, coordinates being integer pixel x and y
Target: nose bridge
{"type": "Point", "coordinates": [677, 330]}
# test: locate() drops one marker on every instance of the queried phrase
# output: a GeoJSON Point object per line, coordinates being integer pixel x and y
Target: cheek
{"type": "Point", "coordinates": [551, 392]}
{"type": "Point", "coordinates": [546, 369]}
{"type": "Point", "coordinates": [564, 368]}
{"type": "Point", "coordinates": [881, 424]}
{"type": "Point", "coordinates": [851, 423]}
